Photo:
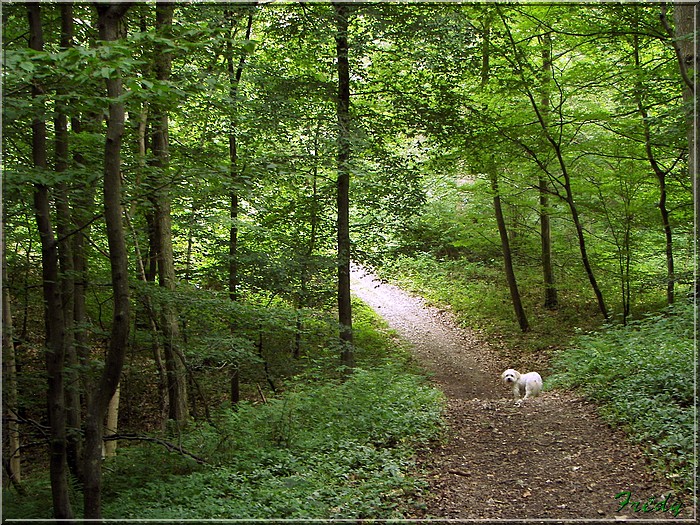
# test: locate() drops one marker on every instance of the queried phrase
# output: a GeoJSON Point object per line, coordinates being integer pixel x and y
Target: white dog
{"type": "Point", "coordinates": [529, 384]}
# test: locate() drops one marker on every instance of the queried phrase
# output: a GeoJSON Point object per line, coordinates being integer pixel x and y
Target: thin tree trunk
{"type": "Point", "coordinates": [174, 358]}
{"type": "Point", "coordinates": [582, 243]}
{"type": "Point", "coordinates": [685, 42]}
{"type": "Point", "coordinates": [53, 304]}
{"type": "Point", "coordinates": [163, 398]}
{"type": "Point", "coordinates": [660, 176]}
{"type": "Point", "coordinates": [668, 237]}
{"type": "Point", "coordinates": [9, 378]}
{"type": "Point", "coordinates": [569, 198]}
{"type": "Point", "coordinates": [507, 256]}
{"type": "Point", "coordinates": [234, 74]}
{"type": "Point", "coordinates": [347, 355]}
{"type": "Point", "coordinates": [65, 223]}
{"type": "Point", "coordinates": [498, 208]}
{"type": "Point", "coordinates": [112, 424]}
{"type": "Point", "coordinates": [665, 216]}
{"type": "Point", "coordinates": [551, 300]}
{"type": "Point", "coordinates": [155, 334]}
{"type": "Point", "coordinates": [81, 214]}
{"type": "Point", "coordinates": [627, 261]}
{"type": "Point", "coordinates": [109, 22]}
{"type": "Point", "coordinates": [303, 301]}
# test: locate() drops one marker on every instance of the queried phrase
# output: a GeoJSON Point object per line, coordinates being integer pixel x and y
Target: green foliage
{"type": "Point", "coordinates": [325, 448]}
{"type": "Point", "coordinates": [427, 124]}
{"type": "Point", "coordinates": [335, 450]}
{"type": "Point", "coordinates": [642, 376]}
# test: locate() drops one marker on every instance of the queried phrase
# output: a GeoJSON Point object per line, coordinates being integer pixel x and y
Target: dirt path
{"type": "Point", "coordinates": [552, 458]}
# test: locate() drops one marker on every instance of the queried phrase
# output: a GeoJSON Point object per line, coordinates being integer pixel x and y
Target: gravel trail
{"type": "Point", "coordinates": [552, 458]}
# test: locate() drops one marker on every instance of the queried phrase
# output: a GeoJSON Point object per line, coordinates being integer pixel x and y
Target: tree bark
{"type": "Point", "coordinates": [685, 41]}
{"type": "Point", "coordinates": [570, 201]}
{"type": "Point", "coordinates": [64, 226]}
{"type": "Point", "coordinates": [155, 335]}
{"type": "Point", "coordinates": [109, 22]}
{"type": "Point", "coordinates": [112, 425]}
{"type": "Point", "coordinates": [347, 357]}
{"type": "Point", "coordinates": [582, 240]}
{"type": "Point", "coordinates": [235, 73]}
{"type": "Point", "coordinates": [303, 298]}
{"type": "Point", "coordinates": [551, 299]}
{"type": "Point", "coordinates": [174, 358]}
{"type": "Point", "coordinates": [81, 215]}
{"type": "Point", "coordinates": [150, 258]}
{"type": "Point", "coordinates": [53, 304]}
{"type": "Point", "coordinates": [658, 172]}
{"type": "Point", "coordinates": [9, 378]}
{"type": "Point", "coordinates": [497, 206]}
{"type": "Point", "coordinates": [566, 184]}
{"type": "Point", "coordinates": [507, 255]}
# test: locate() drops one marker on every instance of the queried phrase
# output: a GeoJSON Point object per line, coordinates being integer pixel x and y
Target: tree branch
{"type": "Point", "coordinates": [150, 439]}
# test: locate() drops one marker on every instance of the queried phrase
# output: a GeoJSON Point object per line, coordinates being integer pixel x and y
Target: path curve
{"type": "Point", "coordinates": [552, 458]}
{"type": "Point", "coordinates": [451, 354]}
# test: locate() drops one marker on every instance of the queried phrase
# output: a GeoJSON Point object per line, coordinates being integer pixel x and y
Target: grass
{"type": "Point", "coordinates": [341, 450]}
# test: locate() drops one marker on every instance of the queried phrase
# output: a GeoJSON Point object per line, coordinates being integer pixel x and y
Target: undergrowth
{"type": "Point", "coordinates": [326, 448]}
{"type": "Point", "coordinates": [342, 450]}
{"type": "Point", "coordinates": [641, 375]}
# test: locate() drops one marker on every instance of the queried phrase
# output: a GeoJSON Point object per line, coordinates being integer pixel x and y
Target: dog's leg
{"type": "Point", "coordinates": [516, 392]}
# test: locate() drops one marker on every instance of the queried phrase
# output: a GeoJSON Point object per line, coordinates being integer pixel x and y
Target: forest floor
{"type": "Point", "coordinates": [552, 458]}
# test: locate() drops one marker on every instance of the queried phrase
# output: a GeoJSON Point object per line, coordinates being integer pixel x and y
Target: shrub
{"type": "Point", "coordinates": [641, 375]}
{"type": "Point", "coordinates": [324, 451]}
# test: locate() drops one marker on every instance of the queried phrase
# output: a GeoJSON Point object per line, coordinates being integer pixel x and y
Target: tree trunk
{"type": "Point", "coordinates": [685, 42]}
{"type": "Point", "coordinates": [551, 300]}
{"type": "Point", "coordinates": [569, 198]}
{"type": "Point", "coordinates": [658, 172]}
{"type": "Point", "coordinates": [147, 276]}
{"type": "Point", "coordinates": [9, 379]}
{"type": "Point", "coordinates": [82, 213]}
{"type": "Point", "coordinates": [303, 300]}
{"type": "Point", "coordinates": [111, 425]}
{"type": "Point", "coordinates": [155, 335]}
{"type": "Point", "coordinates": [174, 358]}
{"type": "Point", "coordinates": [582, 243]}
{"type": "Point", "coordinates": [234, 74]}
{"type": "Point", "coordinates": [498, 208]}
{"type": "Point", "coordinates": [65, 223]}
{"type": "Point", "coordinates": [507, 256]}
{"type": "Point", "coordinates": [625, 264]}
{"type": "Point", "coordinates": [347, 357]}
{"type": "Point", "coordinates": [566, 184]}
{"type": "Point", "coordinates": [53, 305]}
{"type": "Point", "coordinates": [109, 22]}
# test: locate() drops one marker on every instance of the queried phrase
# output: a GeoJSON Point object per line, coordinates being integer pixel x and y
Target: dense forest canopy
{"type": "Point", "coordinates": [185, 186]}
